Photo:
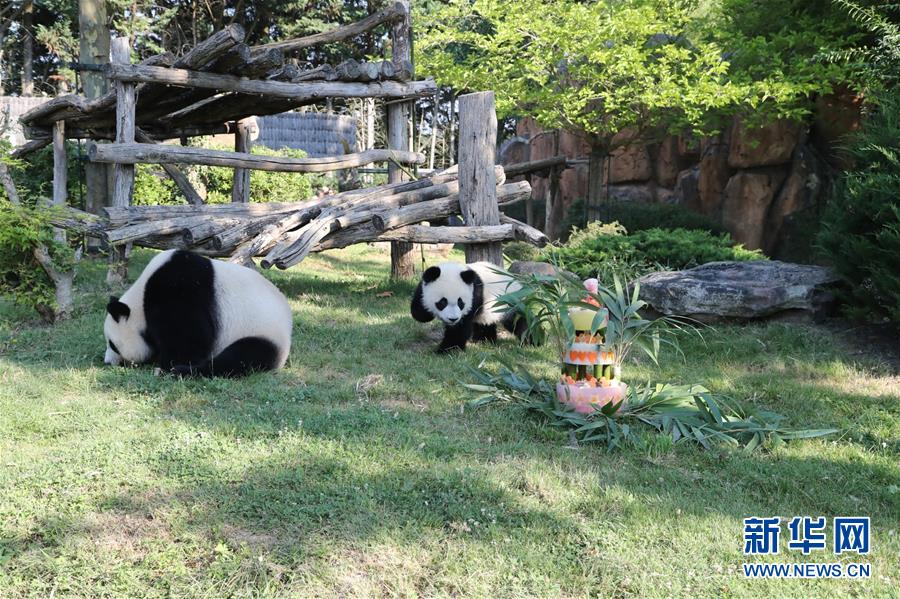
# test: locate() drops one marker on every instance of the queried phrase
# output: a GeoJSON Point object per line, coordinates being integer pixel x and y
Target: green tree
{"type": "Point", "coordinates": [619, 72]}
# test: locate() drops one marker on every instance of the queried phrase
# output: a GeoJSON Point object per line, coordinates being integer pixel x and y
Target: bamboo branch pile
{"type": "Point", "coordinates": [283, 234]}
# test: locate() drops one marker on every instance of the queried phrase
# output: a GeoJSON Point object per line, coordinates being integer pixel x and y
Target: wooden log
{"type": "Point", "coordinates": [132, 153]}
{"type": "Point", "coordinates": [287, 72]}
{"type": "Point", "coordinates": [385, 15]}
{"type": "Point", "coordinates": [123, 174]}
{"type": "Point", "coordinates": [477, 147]}
{"type": "Point", "coordinates": [241, 189]}
{"type": "Point", "coordinates": [398, 116]}
{"type": "Point", "coordinates": [212, 47]}
{"type": "Point", "coordinates": [442, 208]}
{"type": "Point", "coordinates": [169, 226]}
{"type": "Point", "coordinates": [325, 72]}
{"type": "Point", "coordinates": [525, 232]}
{"type": "Point", "coordinates": [225, 107]}
{"type": "Point", "coordinates": [261, 64]}
{"type": "Point", "coordinates": [29, 147]}
{"type": "Point", "coordinates": [535, 166]}
{"type": "Point", "coordinates": [415, 234]}
{"type": "Point", "coordinates": [231, 61]}
{"type": "Point", "coordinates": [121, 217]}
{"type": "Point", "coordinates": [180, 179]}
{"type": "Point", "coordinates": [295, 91]}
{"type": "Point", "coordinates": [197, 233]}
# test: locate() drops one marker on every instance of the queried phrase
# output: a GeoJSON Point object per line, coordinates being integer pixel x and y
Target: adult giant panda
{"type": "Point", "coordinates": [196, 316]}
{"type": "Point", "coordinates": [464, 298]}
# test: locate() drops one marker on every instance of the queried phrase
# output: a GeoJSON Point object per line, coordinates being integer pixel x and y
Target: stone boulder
{"type": "Point", "coordinates": [667, 162]}
{"type": "Point", "coordinates": [742, 290]}
{"type": "Point", "coordinates": [763, 146]}
{"type": "Point", "coordinates": [748, 196]}
{"type": "Point", "coordinates": [526, 267]}
{"type": "Point", "coordinates": [714, 174]}
{"type": "Point", "coordinates": [631, 193]}
{"type": "Point", "coordinates": [686, 190]}
{"type": "Point", "coordinates": [799, 192]}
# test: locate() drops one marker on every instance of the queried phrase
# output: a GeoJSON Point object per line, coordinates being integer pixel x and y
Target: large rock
{"type": "Point", "coordinates": [628, 165]}
{"type": "Point", "coordinates": [763, 146]}
{"type": "Point", "coordinates": [799, 192]}
{"type": "Point", "coordinates": [631, 193]}
{"type": "Point", "coordinates": [527, 267]}
{"type": "Point", "coordinates": [714, 174]}
{"type": "Point", "coordinates": [667, 163]}
{"type": "Point", "coordinates": [743, 290]}
{"type": "Point", "coordinates": [747, 198]}
{"type": "Point", "coordinates": [686, 191]}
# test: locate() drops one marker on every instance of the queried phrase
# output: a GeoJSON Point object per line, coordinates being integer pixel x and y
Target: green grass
{"type": "Point", "coordinates": [357, 471]}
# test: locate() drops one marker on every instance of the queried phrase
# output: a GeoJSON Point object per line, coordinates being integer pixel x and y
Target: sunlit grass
{"type": "Point", "coordinates": [357, 471]}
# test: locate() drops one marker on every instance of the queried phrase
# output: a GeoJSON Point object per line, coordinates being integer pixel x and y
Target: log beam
{"type": "Point", "coordinates": [123, 174]}
{"type": "Point", "coordinates": [309, 91]}
{"type": "Point", "coordinates": [385, 15]}
{"type": "Point", "coordinates": [477, 149]}
{"type": "Point", "coordinates": [134, 153]}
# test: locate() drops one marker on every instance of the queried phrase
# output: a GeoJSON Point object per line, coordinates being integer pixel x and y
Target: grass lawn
{"type": "Point", "coordinates": [358, 471]}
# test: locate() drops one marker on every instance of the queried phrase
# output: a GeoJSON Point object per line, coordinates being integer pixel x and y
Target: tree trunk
{"type": "Point", "coordinates": [477, 183]}
{"type": "Point", "coordinates": [93, 48]}
{"type": "Point", "coordinates": [242, 143]}
{"type": "Point", "coordinates": [28, 48]}
{"type": "Point", "coordinates": [402, 256]}
{"type": "Point", "coordinates": [596, 186]}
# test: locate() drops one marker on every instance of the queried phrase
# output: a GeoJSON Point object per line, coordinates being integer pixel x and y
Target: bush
{"type": "Point", "coordinates": [637, 216]}
{"type": "Point", "coordinates": [603, 249]}
{"type": "Point", "coordinates": [153, 186]}
{"type": "Point", "coordinates": [33, 175]}
{"type": "Point", "coordinates": [861, 225]}
{"type": "Point", "coordinates": [22, 278]}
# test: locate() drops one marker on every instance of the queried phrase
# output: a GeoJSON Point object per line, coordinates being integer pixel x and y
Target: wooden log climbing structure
{"type": "Point", "coordinates": [219, 84]}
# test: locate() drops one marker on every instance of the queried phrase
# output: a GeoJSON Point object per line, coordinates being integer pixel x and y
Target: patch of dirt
{"type": "Point", "coordinates": [253, 539]}
{"type": "Point", "coordinates": [879, 342]}
{"type": "Point", "coordinates": [125, 534]}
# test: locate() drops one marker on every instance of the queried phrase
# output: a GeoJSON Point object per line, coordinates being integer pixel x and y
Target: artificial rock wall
{"type": "Point", "coordinates": [758, 183]}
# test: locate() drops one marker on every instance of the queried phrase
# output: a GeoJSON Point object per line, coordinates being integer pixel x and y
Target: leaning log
{"type": "Point", "coordinates": [443, 207]}
{"type": "Point", "coordinates": [525, 232]}
{"type": "Point", "coordinates": [212, 47]}
{"type": "Point", "coordinates": [179, 178]}
{"type": "Point", "coordinates": [385, 15]}
{"type": "Point", "coordinates": [299, 92]}
{"type": "Point", "coordinates": [133, 153]}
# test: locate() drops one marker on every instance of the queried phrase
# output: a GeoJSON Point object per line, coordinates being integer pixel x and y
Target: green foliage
{"type": "Point", "coordinates": [600, 250]}
{"type": "Point", "coordinates": [153, 186]}
{"type": "Point", "coordinates": [685, 413]}
{"type": "Point", "coordinates": [880, 58]}
{"type": "Point", "coordinates": [861, 224]}
{"type": "Point", "coordinates": [22, 279]}
{"type": "Point", "coordinates": [544, 302]}
{"type": "Point", "coordinates": [638, 216]}
{"type": "Point", "coordinates": [519, 250]}
{"type": "Point", "coordinates": [597, 67]}
{"type": "Point", "coordinates": [33, 175]}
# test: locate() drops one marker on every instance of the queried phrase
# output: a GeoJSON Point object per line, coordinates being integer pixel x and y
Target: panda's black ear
{"type": "Point", "coordinates": [117, 309]}
{"type": "Point", "coordinates": [468, 276]}
{"type": "Point", "coordinates": [431, 274]}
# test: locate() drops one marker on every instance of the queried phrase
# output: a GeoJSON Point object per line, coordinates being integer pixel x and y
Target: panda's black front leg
{"type": "Point", "coordinates": [484, 332]}
{"type": "Point", "coordinates": [456, 336]}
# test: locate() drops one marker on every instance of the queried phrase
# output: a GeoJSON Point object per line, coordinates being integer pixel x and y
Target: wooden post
{"type": "Point", "coordinates": [60, 172]}
{"type": "Point", "coordinates": [242, 142]}
{"type": "Point", "coordinates": [93, 48]}
{"type": "Point", "coordinates": [123, 174]}
{"type": "Point", "coordinates": [477, 181]}
{"type": "Point", "coordinates": [402, 255]}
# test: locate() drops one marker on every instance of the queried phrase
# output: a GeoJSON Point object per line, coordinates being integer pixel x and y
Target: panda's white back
{"type": "Point", "coordinates": [250, 306]}
{"type": "Point", "coordinates": [496, 282]}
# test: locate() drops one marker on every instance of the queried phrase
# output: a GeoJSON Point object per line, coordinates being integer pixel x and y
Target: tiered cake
{"type": "Point", "coordinates": [590, 378]}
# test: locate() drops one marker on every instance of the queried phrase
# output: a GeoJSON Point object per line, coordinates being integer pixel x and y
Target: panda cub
{"type": "Point", "coordinates": [464, 298]}
{"type": "Point", "coordinates": [195, 316]}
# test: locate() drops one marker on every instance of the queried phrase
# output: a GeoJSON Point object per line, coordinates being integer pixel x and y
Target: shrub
{"type": "Point", "coordinates": [153, 186]}
{"type": "Point", "coordinates": [519, 250]}
{"type": "Point", "coordinates": [638, 216]}
{"type": "Point", "coordinates": [603, 249]}
{"type": "Point", "coordinates": [33, 175]}
{"type": "Point", "coordinates": [861, 225]}
{"type": "Point", "coordinates": [22, 278]}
